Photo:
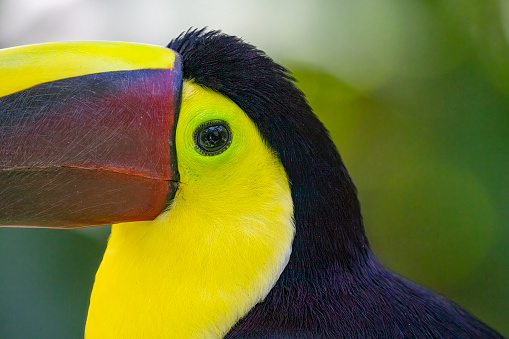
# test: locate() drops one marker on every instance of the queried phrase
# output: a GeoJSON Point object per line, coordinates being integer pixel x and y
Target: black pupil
{"type": "Point", "coordinates": [213, 138]}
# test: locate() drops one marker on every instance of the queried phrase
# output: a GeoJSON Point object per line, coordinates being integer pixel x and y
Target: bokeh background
{"type": "Point", "coordinates": [415, 94]}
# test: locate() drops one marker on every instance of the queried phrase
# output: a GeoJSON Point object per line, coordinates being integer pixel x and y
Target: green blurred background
{"type": "Point", "coordinates": [415, 94]}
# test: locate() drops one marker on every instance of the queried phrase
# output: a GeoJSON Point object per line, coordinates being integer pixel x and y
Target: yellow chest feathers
{"type": "Point", "coordinates": [200, 266]}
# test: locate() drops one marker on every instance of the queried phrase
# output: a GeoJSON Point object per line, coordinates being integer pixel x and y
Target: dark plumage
{"type": "Point", "coordinates": [333, 286]}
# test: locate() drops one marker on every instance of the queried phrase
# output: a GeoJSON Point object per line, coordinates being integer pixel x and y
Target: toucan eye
{"type": "Point", "coordinates": [213, 137]}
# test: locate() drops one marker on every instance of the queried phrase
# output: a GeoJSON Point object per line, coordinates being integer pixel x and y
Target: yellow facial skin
{"type": "Point", "coordinates": [45, 62]}
{"type": "Point", "coordinates": [200, 266]}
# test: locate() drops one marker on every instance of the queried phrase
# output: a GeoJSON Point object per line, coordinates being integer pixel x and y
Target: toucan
{"type": "Point", "coordinates": [233, 215]}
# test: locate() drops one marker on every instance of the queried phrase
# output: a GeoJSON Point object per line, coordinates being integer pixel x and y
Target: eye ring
{"type": "Point", "coordinates": [213, 137]}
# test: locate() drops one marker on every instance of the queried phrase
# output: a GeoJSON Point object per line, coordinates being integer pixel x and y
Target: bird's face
{"type": "Point", "coordinates": [96, 133]}
{"type": "Point", "coordinates": [107, 132]}
{"type": "Point", "coordinates": [221, 157]}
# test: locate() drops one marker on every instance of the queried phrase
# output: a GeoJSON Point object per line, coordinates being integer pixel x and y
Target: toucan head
{"type": "Point", "coordinates": [110, 132]}
{"type": "Point", "coordinates": [203, 154]}
{"type": "Point", "coordinates": [228, 198]}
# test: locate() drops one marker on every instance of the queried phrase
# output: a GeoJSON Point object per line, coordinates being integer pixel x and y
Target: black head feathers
{"type": "Point", "coordinates": [227, 64]}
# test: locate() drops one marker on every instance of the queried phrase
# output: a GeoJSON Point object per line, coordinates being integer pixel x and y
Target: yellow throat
{"type": "Point", "coordinates": [195, 270]}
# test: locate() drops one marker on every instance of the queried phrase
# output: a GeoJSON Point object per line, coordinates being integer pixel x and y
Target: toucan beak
{"type": "Point", "coordinates": [86, 133]}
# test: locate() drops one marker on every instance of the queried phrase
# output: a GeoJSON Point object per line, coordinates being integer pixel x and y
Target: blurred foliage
{"type": "Point", "coordinates": [428, 153]}
{"type": "Point", "coordinates": [426, 142]}
{"type": "Point", "coordinates": [46, 279]}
